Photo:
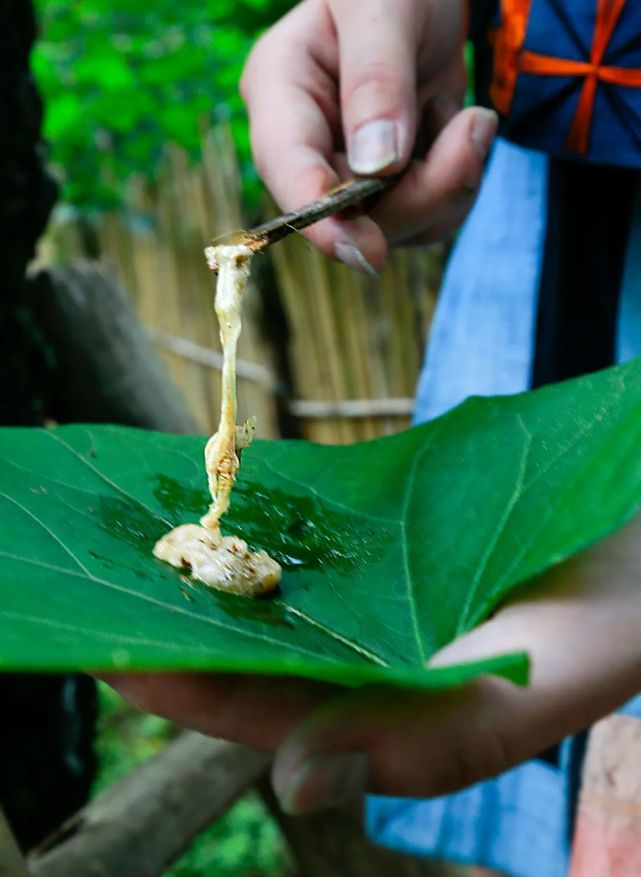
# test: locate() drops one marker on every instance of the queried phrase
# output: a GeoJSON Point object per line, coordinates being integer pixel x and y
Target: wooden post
{"type": "Point", "coordinates": [106, 369]}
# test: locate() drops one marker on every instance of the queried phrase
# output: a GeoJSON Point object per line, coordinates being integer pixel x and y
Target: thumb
{"type": "Point", "coordinates": [432, 743]}
{"type": "Point", "coordinates": [382, 46]}
{"type": "Point", "coordinates": [394, 743]}
{"type": "Point", "coordinates": [378, 45]}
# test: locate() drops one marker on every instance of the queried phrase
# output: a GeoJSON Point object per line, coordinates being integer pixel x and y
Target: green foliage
{"type": "Point", "coordinates": [244, 842]}
{"type": "Point", "coordinates": [391, 549]}
{"type": "Point", "coordinates": [122, 79]}
{"type": "Point", "coordinates": [125, 738]}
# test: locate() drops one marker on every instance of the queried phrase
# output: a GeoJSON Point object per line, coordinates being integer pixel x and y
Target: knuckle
{"type": "Point", "coordinates": [319, 178]}
{"type": "Point", "coordinates": [323, 91]}
{"type": "Point", "coordinates": [374, 83]}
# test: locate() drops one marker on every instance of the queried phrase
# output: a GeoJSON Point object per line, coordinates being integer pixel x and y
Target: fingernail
{"type": "Point", "coordinates": [323, 782]}
{"type": "Point", "coordinates": [484, 131]}
{"type": "Point", "coordinates": [374, 147]}
{"type": "Point", "coordinates": [352, 256]}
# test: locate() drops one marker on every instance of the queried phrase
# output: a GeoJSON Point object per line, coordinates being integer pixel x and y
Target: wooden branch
{"type": "Point", "coordinates": [12, 863]}
{"type": "Point", "coordinates": [348, 194]}
{"type": "Point", "coordinates": [106, 369]}
{"type": "Point", "coordinates": [140, 825]}
{"type": "Point", "coordinates": [334, 843]}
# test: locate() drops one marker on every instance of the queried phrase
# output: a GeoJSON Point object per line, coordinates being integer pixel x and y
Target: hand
{"type": "Point", "coordinates": [359, 86]}
{"type": "Point", "coordinates": [581, 624]}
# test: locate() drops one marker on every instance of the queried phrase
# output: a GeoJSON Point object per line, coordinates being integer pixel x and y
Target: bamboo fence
{"type": "Point", "coordinates": [354, 344]}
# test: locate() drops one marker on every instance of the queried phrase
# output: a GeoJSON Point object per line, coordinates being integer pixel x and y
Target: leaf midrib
{"type": "Point", "coordinates": [407, 498]}
{"type": "Point", "coordinates": [467, 618]}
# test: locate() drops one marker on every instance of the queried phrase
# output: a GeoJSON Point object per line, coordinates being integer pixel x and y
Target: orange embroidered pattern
{"type": "Point", "coordinates": [507, 42]}
{"type": "Point", "coordinates": [592, 71]}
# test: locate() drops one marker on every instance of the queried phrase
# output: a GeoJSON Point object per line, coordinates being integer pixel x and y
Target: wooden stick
{"type": "Point", "coordinates": [346, 195]}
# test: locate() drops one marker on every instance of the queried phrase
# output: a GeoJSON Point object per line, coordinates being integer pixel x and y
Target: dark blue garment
{"type": "Point", "coordinates": [545, 103]}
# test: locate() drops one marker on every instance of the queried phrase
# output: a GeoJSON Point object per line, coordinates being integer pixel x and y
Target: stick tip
{"type": "Point", "coordinates": [212, 261]}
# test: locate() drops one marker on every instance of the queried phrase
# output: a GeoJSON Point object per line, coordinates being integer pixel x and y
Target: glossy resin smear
{"type": "Point", "coordinates": [223, 562]}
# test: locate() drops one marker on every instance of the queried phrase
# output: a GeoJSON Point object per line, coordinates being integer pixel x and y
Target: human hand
{"type": "Point", "coordinates": [580, 623]}
{"type": "Point", "coordinates": [359, 86]}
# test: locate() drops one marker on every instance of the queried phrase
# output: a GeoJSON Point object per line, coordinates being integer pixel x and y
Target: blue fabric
{"type": "Point", "coordinates": [516, 824]}
{"type": "Point", "coordinates": [482, 342]}
{"type": "Point", "coordinates": [483, 332]}
{"type": "Point", "coordinates": [629, 324]}
{"type": "Point", "coordinates": [544, 106]}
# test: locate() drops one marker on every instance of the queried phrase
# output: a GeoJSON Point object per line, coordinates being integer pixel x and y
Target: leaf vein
{"type": "Point", "coordinates": [407, 497]}
{"type": "Point", "coordinates": [107, 480]}
{"type": "Point", "coordinates": [48, 531]}
{"type": "Point", "coordinates": [503, 521]}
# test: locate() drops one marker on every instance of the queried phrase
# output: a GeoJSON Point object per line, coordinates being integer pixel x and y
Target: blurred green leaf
{"type": "Point", "coordinates": [126, 78]}
{"type": "Point", "coordinates": [105, 66]}
{"type": "Point", "coordinates": [65, 117]}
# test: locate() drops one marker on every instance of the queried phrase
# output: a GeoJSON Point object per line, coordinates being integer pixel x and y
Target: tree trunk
{"type": "Point", "coordinates": [104, 369]}
{"type": "Point", "coordinates": [44, 774]}
{"type": "Point", "coordinates": [26, 197]}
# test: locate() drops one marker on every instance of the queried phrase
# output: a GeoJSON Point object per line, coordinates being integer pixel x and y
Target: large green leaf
{"type": "Point", "coordinates": [390, 548]}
